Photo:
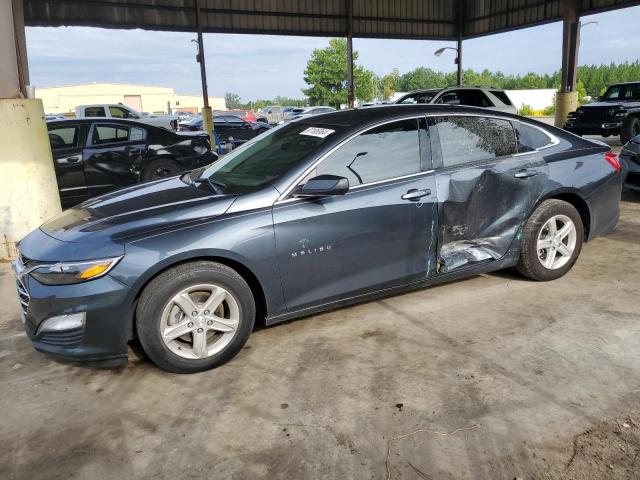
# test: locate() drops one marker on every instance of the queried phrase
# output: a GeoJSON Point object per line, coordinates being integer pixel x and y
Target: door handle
{"type": "Point", "coordinates": [415, 194]}
{"type": "Point", "coordinates": [71, 159]}
{"type": "Point", "coordinates": [133, 150]}
{"type": "Point", "coordinates": [525, 173]}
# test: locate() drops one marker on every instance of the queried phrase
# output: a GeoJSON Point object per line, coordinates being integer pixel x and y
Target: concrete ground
{"type": "Point", "coordinates": [549, 371]}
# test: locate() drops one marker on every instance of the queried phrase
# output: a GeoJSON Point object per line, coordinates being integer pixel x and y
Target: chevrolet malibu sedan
{"type": "Point", "coordinates": [312, 215]}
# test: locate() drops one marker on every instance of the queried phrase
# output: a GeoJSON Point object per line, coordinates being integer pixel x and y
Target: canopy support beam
{"type": "Point", "coordinates": [350, 81]}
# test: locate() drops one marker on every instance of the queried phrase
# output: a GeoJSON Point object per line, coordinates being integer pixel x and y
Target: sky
{"type": "Point", "coordinates": [264, 66]}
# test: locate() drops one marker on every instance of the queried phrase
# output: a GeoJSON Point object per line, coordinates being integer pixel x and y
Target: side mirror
{"type": "Point", "coordinates": [269, 111]}
{"type": "Point", "coordinates": [323, 186]}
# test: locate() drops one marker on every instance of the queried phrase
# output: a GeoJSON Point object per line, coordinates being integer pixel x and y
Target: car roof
{"type": "Point", "coordinates": [455, 87]}
{"type": "Point", "coordinates": [375, 114]}
{"type": "Point", "coordinates": [89, 120]}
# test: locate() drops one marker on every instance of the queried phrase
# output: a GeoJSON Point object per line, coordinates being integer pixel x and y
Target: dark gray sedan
{"type": "Point", "coordinates": [312, 215]}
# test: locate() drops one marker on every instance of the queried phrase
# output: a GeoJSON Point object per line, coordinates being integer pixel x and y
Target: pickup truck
{"type": "Point", "coordinates": [170, 122]}
{"type": "Point", "coordinates": [616, 112]}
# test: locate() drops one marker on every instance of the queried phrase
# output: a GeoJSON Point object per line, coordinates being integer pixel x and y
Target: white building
{"type": "Point", "coordinates": [144, 98]}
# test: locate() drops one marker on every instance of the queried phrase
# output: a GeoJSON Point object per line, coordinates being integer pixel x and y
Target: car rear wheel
{"type": "Point", "coordinates": [195, 317]}
{"type": "Point", "coordinates": [630, 129]}
{"type": "Point", "coordinates": [551, 241]}
{"type": "Point", "coordinates": [160, 168]}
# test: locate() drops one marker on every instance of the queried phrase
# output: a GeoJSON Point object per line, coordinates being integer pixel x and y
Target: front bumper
{"type": "Point", "coordinates": [590, 128]}
{"type": "Point", "coordinates": [108, 309]}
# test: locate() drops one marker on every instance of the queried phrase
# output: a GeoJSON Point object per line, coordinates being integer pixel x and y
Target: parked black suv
{"type": "Point", "coordinates": [617, 112]}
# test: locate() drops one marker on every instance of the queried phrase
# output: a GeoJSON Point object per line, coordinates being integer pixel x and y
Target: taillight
{"type": "Point", "coordinates": [613, 160]}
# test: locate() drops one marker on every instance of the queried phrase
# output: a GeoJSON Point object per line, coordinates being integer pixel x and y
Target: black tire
{"type": "Point", "coordinates": [530, 264]}
{"type": "Point", "coordinates": [630, 128]}
{"type": "Point", "coordinates": [161, 289]}
{"type": "Point", "coordinates": [160, 168]}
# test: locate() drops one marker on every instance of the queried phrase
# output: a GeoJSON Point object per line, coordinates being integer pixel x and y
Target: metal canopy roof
{"type": "Point", "coordinates": [416, 19]}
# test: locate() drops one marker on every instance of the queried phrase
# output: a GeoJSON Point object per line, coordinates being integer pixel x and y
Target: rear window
{"type": "Point", "coordinates": [502, 96]}
{"type": "Point", "coordinates": [63, 137]}
{"type": "Point", "coordinates": [530, 138]}
{"type": "Point", "coordinates": [94, 112]}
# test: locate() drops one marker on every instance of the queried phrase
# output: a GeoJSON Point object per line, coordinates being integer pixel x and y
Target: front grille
{"type": "Point", "coordinates": [66, 338]}
{"type": "Point", "coordinates": [24, 297]}
{"type": "Point", "coordinates": [28, 262]}
{"type": "Point", "coordinates": [597, 115]}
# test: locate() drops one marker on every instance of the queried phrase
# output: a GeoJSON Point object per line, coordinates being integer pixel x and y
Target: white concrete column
{"type": "Point", "coordinates": [28, 187]}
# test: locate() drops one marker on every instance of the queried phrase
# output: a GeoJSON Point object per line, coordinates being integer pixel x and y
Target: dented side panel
{"type": "Point", "coordinates": [485, 189]}
{"type": "Point", "coordinates": [482, 208]}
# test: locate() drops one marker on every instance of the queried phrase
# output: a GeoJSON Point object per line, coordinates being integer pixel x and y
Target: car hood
{"type": "Point", "coordinates": [137, 211]}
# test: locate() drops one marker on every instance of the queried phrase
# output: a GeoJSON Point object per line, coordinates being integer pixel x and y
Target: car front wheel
{"type": "Point", "coordinates": [551, 241]}
{"type": "Point", "coordinates": [195, 316]}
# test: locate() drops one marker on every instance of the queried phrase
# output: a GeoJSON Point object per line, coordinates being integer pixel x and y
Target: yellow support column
{"type": "Point", "coordinates": [207, 125]}
{"type": "Point", "coordinates": [28, 186]}
{"type": "Point", "coordinates": [565, 102]}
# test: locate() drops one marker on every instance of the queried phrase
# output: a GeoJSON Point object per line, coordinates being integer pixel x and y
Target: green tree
{"type": "Point", "coordinates": [582, 92]}
{"type": "Point", "coordinates": [232, 100]}
{"type": "Point", "coordinates": [326, 75]}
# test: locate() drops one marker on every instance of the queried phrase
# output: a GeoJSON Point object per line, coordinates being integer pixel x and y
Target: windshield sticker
{"type": "Point", "coordinates": [317, 132]}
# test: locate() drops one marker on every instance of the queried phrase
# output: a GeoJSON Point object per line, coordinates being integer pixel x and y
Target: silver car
{"type": "Point", "coordinates": [486, 97]}
{"type": "Point", "coordinates": [304, 112]}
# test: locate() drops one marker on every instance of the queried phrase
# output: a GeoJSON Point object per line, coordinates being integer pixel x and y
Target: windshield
{"type": "Point", "coordinates": [267, 157]}
{"type": "Point", "coordinates": [622, 92]}
{"type": "Point", "coordinates": [418, 97]}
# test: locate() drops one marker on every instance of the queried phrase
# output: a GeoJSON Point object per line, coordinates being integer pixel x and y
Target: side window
{"type": "Point", "coordinates": [109, 134]}
{"type": "Point", "coordinates": [471, 139]}
{"type": "Point", "coordinates": [632, 92]}
{"type": "Point", "coordinates": [94, 112]}
{"type": "Point", "coordinates": [449, 98]}
{"type": "Point", "coordinates": [118, 112]}
{"type": "Point", "coordinates": [137, 134]}
{"type": "Point", "coordinates": [474, 98]}
{"type": "Point", "coordinates": [387, 151]}
{"type": "Point", "coordinates": [63, 137]}
{"type": "Point", "coordinates": [530, 138]}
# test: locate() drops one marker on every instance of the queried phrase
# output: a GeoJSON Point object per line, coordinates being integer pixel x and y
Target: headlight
{"type": "Point", "coordinates": [73, 272]}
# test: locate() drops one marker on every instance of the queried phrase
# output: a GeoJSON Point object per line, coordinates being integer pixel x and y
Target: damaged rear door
{"type": "Point", "coordinates": [485, 188]}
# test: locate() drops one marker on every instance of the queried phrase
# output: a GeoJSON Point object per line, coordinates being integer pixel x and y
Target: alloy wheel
{"type": "Point", "coordinates": [200, 321]}
{"type": "Point", "coordinates": [556, 242]}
